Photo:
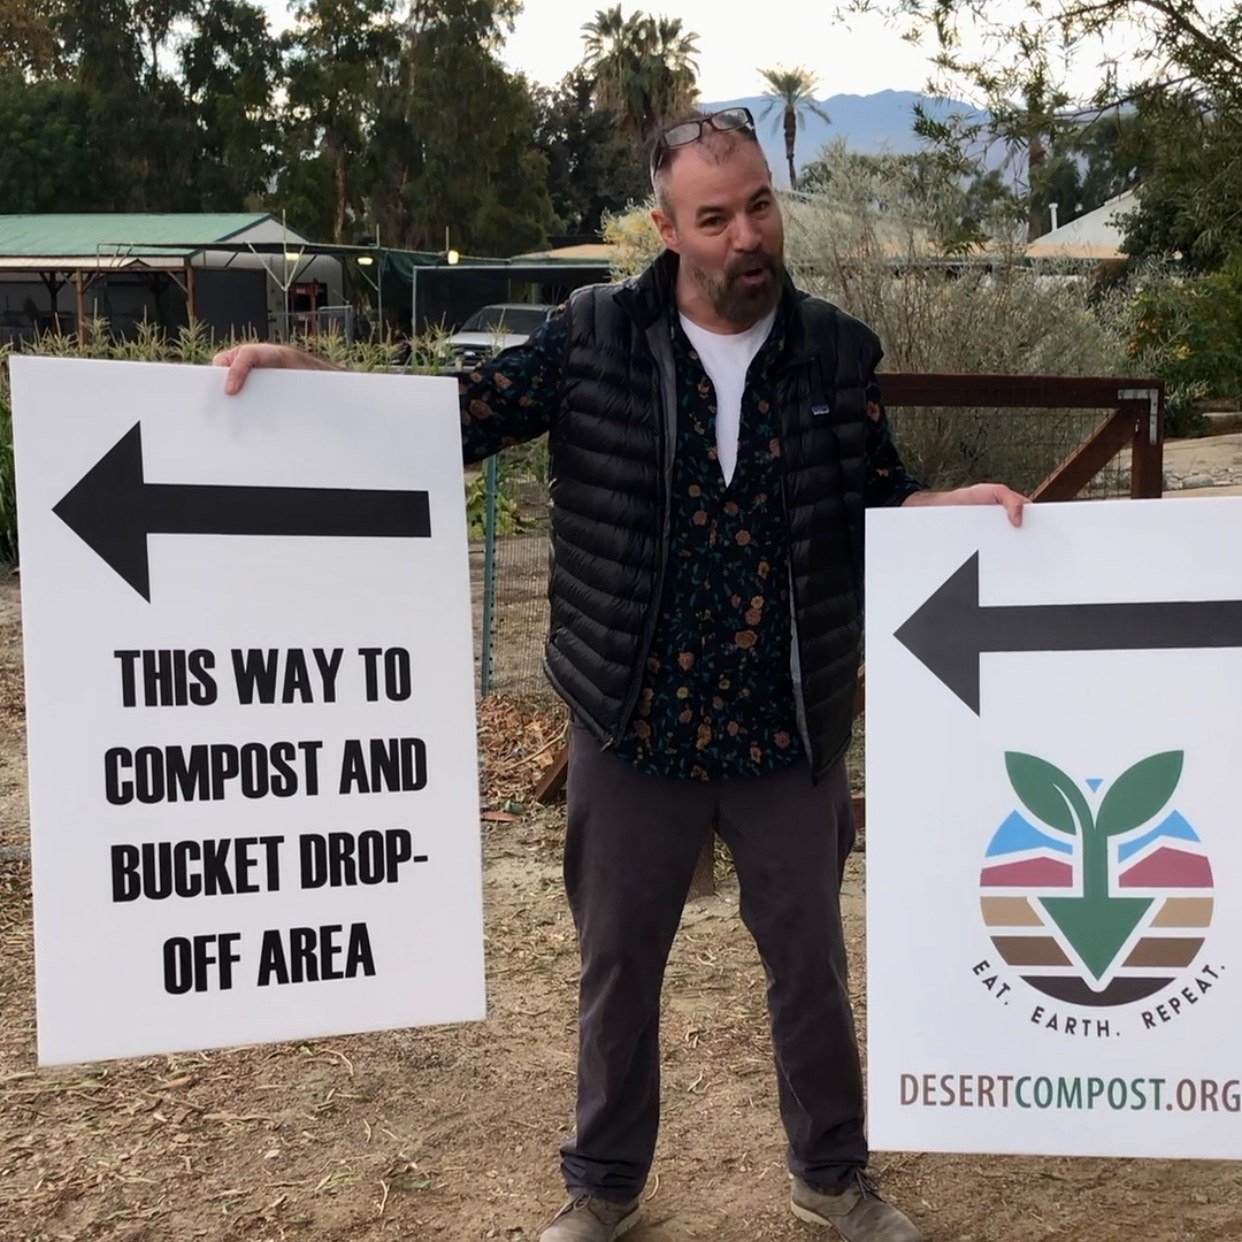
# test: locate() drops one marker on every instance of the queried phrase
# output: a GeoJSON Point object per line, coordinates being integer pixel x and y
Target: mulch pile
{"type": "Point", "coordinates": [518, 742]}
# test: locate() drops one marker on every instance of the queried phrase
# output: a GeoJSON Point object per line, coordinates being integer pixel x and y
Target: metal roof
{"type": "Point", "coordinates": [1096, 235]}
{"type": "Point", "coordinates": [63, 236]}
{"type": "Point", "coordinates": [588, 254]}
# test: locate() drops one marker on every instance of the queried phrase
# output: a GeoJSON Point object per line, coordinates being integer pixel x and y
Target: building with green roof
{"type": "Point", "coordinates": [245, 273]}
{"type": "Point", "coordinates": [236, 272]}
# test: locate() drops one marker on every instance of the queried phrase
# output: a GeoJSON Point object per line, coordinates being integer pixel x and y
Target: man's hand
{"type": "Point", "coordinates": [242, 359]}
{"type": "Point", "coordinates": [979, 494]}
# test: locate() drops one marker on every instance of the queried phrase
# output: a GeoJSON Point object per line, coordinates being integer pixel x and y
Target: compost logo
{"type": "Point", "coordinates": [1097, 895]}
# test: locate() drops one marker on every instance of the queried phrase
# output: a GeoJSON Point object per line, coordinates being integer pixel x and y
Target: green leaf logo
{"type": "Point", "coordinates": [1048, 793]}
{"type": "Point", "coordinates": [1140, 793]}
{"type": "Point", "coordinates": [1097, 924]}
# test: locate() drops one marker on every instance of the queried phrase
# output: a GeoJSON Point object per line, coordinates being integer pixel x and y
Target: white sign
{"type": "Point", "coordinates": [253, 782]}
{"type": "Point", "coordinates": [1054, 867]}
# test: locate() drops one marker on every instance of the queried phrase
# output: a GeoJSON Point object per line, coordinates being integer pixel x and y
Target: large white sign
{"type": "Point", "coordinates": [1054, 866]}
{"type": "Point", "coordinates": [253, 783]}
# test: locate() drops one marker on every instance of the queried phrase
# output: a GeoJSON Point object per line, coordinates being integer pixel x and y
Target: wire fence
{"type": "Point", "coordinates": [508, 510]}
{"type": "Point", "coordinates": [947, 448]}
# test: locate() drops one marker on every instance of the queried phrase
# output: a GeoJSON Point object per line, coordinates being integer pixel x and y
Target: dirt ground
{"type": "Point", "coordinates": [452, 1133]}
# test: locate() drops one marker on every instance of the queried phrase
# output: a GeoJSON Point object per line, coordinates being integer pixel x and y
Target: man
{"type": "Point", "coordinates": [714, 434]}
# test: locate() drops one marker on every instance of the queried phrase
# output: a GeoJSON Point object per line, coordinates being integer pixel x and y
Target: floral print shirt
{"type": "Point", "coordinates": [716, 700]}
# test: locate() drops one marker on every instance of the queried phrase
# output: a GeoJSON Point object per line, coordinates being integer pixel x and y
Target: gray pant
{"type": "Point", "coordinates": [630, 854]}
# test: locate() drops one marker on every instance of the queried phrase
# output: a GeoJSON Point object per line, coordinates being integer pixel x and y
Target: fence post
{"type": "Point", "coordinates": [491, 474]}
{"type": "Point", "coordinates": [1147, 453]}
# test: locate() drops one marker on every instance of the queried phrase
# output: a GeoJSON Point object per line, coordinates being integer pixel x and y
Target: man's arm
{"type": "Point", "coordinates": [512, 397]}
{"type": "Point", "coordinates": [507, 400]}
{"type": "Point", "coordinates": [888, 483]}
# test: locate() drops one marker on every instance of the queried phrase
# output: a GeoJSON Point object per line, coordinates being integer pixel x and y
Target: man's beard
{"type": "Point", "coordinates": [736, 300]}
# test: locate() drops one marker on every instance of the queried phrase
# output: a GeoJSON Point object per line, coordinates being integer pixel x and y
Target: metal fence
{"type": "Point", "coordinates": [508, 510]}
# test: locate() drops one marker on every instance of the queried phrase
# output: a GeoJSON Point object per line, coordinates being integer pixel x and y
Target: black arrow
{"type": "Point", "coordinates": [113, 509]}
{"type": "Point", "coordinates": [952, 630]}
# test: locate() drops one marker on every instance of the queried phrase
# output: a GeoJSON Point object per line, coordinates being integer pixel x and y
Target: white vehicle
{"type": "Point", "coordinates": [493, 328]}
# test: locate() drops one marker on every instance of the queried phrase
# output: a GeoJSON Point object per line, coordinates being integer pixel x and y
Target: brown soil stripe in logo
{"type": "Point", "coordinates": [1185, 912]}
{"type": "Point", "coordinates": [1030, 951]}
{"type": "Point", "coordinates": [1074, 991]}
{"type": "Point", "coordinates": [1165, 951]}
{"type": "Point", "coordinates": [1013, 912]}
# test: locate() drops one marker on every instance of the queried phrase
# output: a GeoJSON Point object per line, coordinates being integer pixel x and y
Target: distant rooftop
{"type": "Point", "coordinates": [1096, 235]}
{"type": "Point", "coordinates": [61, 236]}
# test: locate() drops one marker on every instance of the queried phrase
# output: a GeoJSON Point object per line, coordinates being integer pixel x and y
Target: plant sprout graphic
{"type": "Point", "coordinates": [1096, 923]}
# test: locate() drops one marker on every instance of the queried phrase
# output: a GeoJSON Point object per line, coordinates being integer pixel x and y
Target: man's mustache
{"type": "Point", "coordinates": [751, 263]}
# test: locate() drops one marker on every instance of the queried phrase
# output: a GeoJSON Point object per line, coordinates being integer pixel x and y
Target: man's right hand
{"type": "Point", "coordinates": [242, 359]}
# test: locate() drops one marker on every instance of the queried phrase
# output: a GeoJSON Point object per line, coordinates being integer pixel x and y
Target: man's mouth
{"type": "Point", "coordinates": [754, 273]}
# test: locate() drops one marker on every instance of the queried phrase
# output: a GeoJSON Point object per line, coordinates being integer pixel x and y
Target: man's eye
{"type": "Point", "coordinates": [712, 222]}
{"type": "Point", "coordinates": [762, 205]}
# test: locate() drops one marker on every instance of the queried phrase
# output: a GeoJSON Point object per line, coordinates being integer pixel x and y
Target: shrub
{"type": "Point", "coordinates": [867, 241]}
{"type": "Point", "coordinates": [1190, 332]}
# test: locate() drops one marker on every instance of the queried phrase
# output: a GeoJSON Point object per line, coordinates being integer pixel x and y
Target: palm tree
{"type": "Point", "coordinates": [790, 90]}
{"type": "Point", "coordinates": [643, 67]}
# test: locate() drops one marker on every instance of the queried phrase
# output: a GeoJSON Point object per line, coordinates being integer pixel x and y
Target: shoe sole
{"type": "Point", "coordinates": [811, 1218]}
{"type": "Point", "coordinates": [627, 1223]}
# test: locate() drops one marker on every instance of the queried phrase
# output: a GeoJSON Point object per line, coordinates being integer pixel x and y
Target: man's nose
{"type": "Point", "coordinates": [745, 235]}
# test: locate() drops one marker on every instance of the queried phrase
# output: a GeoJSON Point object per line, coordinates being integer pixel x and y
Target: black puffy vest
{"type": "Point", "coordinates": [611, 447]}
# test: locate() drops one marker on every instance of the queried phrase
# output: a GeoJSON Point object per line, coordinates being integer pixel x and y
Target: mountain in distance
{"type": "Point", "coordinates": [872, 124]}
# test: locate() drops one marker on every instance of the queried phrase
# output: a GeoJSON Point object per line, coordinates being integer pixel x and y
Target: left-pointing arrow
{"type": "Point", "coordinates": [951, 629]}
{"type": "Point", "coordinates": [113, 509]}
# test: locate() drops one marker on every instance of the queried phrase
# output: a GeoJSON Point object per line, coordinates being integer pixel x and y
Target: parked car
{"type": "Point", "coordinates": [493, 328]}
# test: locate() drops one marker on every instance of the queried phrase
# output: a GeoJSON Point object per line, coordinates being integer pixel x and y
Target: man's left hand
{"type": "Point", "coordinates": [978, 494]}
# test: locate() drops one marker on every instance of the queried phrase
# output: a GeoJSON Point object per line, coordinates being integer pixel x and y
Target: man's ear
{"type": "Point", "coordinates": [666, 228]}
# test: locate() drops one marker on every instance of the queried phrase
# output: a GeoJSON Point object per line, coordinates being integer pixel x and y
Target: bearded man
{"type": "Point", "coordinates": [714, 436]}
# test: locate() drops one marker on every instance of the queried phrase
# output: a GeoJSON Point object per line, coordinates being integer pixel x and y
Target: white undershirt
{"type": "Point", "coordinates": [726, 357]}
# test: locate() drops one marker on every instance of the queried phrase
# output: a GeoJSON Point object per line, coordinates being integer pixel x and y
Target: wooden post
{"type": "Point", "coordinates": [79, 306]}
{"type": "Point", "coordinates": [1147, 451]}
{"type": "Point", "coordinates": [191, 312]}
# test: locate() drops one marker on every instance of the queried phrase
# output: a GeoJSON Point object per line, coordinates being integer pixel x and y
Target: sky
{"type": "Point", "coordinates": [738, 37]}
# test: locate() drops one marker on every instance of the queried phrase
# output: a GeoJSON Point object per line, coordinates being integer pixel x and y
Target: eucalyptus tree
{"type": "Point", "coordinates": [453, 145]}
{"type": "Point", "coordinates": [332, 54]}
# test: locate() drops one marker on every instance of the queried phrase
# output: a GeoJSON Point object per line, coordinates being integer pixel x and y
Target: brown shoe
{"type": "Point", "coordinates": [857, 1213]}
{"type": "Point", "coordinates": [588, 1219]}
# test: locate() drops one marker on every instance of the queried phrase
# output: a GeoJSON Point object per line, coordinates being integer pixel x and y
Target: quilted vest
{"type": "Point", "coordinates": [611, 450]}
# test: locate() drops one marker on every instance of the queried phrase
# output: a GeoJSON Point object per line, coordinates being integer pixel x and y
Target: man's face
{"type": "Point", "coordinates": [726, 227]}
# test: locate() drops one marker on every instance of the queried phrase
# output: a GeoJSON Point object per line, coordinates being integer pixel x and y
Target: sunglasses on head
{"type": "Point", "coordinates": [685, 133]}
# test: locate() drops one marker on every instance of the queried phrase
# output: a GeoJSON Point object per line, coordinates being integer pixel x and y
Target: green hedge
{"type": "Point", "coordinates": [1192, 329]}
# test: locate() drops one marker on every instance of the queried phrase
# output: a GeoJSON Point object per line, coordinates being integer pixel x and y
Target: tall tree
{"type": "Point", "coordinates": [29, 40]}
{"type": "Point", "coordinates": [141, 123]}
{"type": "Point", "coordinates": [230, 66]}
{"type": "Point", "coordinates": [792, 91]}
{"type": "Point", "coordinates": [453, 141]}
{"type": "Point", "coordinates": [645, 68]}
{"type": "Point", "coordinates": [332, 55]}
{"type": "Point", "coordinates": [48, 161]}
{"type": "Point", "coordinates": [1177, 39]}
{"type": "Point", "coordinates": [592, 169]}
